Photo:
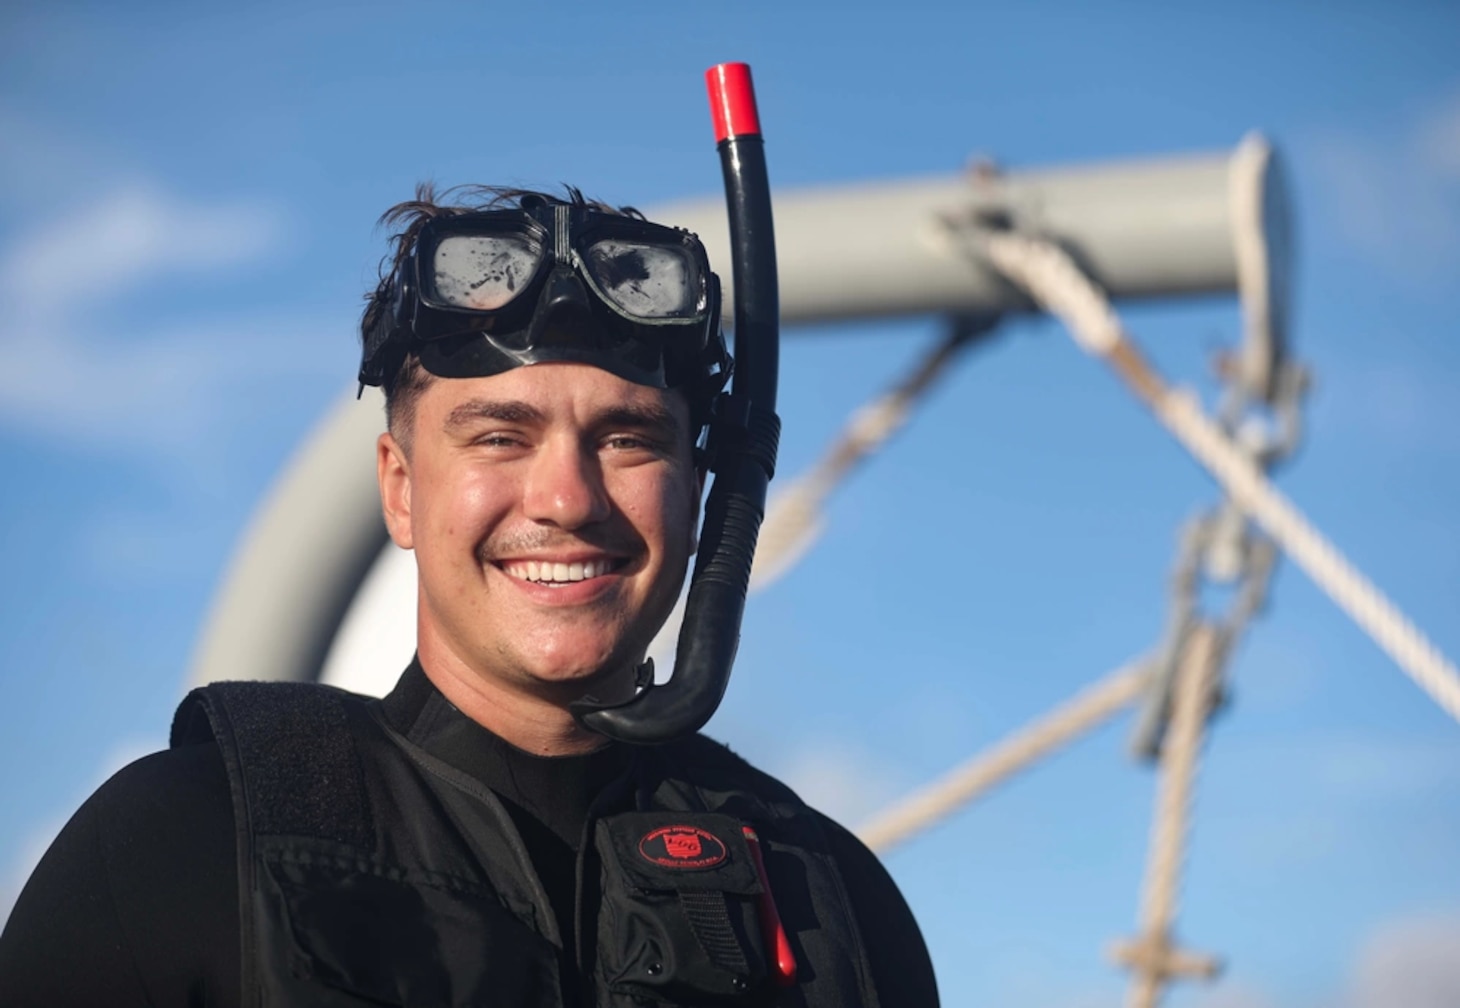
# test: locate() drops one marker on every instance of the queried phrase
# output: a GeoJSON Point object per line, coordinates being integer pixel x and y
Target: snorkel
{"type": "Point", "coordinates": [744, 434]}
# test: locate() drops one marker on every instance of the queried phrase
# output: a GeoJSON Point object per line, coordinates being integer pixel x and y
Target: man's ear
{"type": "Point", "coordinates": [393, 472]}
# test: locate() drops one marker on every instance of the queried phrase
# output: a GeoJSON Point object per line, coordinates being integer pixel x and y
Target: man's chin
{"type": "Point", "coordinates": [610, 683]}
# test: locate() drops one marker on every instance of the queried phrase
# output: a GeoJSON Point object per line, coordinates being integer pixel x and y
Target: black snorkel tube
{"type": "Point", "coordinates": [744, 434]}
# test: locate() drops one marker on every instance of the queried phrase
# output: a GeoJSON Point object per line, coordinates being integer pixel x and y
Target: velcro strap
{"type": "Point", "coordinates": [709, 919]}
{"type": "Point", "coordinates": [292, 745]}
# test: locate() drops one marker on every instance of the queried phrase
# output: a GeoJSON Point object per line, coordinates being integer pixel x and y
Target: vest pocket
{"type": "Point", "coordinates": [370, 937]}
{"type": "Point", "coordinates": [678, 920]}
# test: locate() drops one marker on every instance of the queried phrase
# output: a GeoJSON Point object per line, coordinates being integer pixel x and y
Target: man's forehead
{"type": "Point", "coordinates": [552, 392]}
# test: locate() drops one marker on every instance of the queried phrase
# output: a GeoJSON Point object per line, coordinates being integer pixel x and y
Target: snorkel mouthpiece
{"type": "Point", "coordinates": [744, 434]}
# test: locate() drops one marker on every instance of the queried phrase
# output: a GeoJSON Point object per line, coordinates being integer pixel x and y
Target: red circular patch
{"type": "Point", "coordinates": [682, 847]}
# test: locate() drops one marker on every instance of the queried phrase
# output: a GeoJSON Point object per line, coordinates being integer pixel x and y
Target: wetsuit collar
{"type": "Point", "coordinates": [556, 790]}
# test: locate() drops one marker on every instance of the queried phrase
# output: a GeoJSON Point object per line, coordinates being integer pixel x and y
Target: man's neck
{"type": "Point", "coordinates": [530, 720]}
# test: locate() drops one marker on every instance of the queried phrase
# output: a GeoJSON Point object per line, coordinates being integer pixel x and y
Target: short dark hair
{"type": "Point", "coordinates": [405, 381]}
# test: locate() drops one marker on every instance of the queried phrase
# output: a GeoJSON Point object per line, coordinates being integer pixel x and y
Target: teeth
{"type": "Point", "coordinates": [558, 573]}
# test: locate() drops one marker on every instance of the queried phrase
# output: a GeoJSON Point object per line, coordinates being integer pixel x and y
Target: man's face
{"type": "Point", "coordinates": [552, 511]}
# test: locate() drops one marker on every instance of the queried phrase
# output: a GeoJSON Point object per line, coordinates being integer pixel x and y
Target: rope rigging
{"type": "Point", "coordinates": [1233, 546]}
{"type": "Point", "coordinates": [1051, 277]}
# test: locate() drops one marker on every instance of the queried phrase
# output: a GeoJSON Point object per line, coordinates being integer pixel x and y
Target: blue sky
{"type": "Point", "coordinates": [187, 199]}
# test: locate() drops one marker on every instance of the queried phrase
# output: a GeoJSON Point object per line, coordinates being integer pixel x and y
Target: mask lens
{"type": "Point", "coordinates": [645, 280]}
{"type": "Point", "coordinates": [484, 272]}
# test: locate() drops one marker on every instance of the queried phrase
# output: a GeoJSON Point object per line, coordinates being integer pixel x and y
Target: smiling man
{"type": "Point", "coordinates": [552, 510]}
{"type": "Point", "coordinates": [548, 366]}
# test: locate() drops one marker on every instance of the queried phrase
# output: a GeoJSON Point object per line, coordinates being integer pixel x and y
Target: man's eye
{"type": "Point", "coordinates": [631, 442]}
{"type": "Point", "coordinates": [498, 441]}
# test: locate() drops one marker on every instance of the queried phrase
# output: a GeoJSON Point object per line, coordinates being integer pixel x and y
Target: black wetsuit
{"type": "Point", "coordinates": [136, 902]}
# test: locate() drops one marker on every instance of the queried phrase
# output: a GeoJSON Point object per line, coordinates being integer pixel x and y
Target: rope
{"type": "Point", "coordinates": [793, 517]}
{"type": "Point", "coordinates": [926, 806]}
{"type": "Point", "coordinates": [1154, 962]}
{"type": "Point", "coordinates": [1054, 281]}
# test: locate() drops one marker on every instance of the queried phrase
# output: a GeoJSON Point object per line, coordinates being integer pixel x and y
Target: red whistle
{"type": "Point", "coordinates": [784, 966]}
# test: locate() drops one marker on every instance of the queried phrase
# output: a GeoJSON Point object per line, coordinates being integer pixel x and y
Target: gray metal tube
{"type": "Point", "coordinates": [301, 561]}
{"type": "Point", "coordinates": [1160, 227]}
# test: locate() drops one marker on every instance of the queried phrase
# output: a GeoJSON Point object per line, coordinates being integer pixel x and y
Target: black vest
{"type": "Point", "coordinates": [371, 872]}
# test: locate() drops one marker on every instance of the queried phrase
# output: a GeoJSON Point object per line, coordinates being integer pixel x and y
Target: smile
{"type": "Point", "coordinates": [551, 573]}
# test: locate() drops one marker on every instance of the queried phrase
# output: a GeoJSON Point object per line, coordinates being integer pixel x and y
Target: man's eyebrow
{"type": "Point", "coordinates": [642, 417]}
{"type": "Point", "coordinates": [506, 411]}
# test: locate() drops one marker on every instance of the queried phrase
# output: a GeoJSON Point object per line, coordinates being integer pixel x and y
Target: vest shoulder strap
{"type": "Point", "coordinates": [292, 748]}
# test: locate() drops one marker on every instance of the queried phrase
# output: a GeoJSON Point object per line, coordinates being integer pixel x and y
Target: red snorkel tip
{"type": "Point", "coordinates": [732, 101]}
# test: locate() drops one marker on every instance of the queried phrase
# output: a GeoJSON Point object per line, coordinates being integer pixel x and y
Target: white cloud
{"type": "Point", "coordinates": [167, 390]}
{"type": "Point", "coordinates": [840, 777]}
{"type": "Point", "coordinates": [1395, 198]}
{"type": "Point", "coordinates": [1232, 995]}
{"type": "Point", "coordinates": [1355, 773]}
{"type": "Point", "coordinates": [1401, 405]}
{"type": "Point", "coordinates": [130, 235]}
{"type": "Point", "coordinates": [1410, 963]}
{"type": "Point", "coordinates": [65, 374]}
{"type": "Point", "coordinates": [134, 548]}
{"type": "Point", "coordinates": [1366, 769]}
{"type": "Point", "coordinates": [41, 163]}
{"type": "Point", "coordinates": [1438, 142]}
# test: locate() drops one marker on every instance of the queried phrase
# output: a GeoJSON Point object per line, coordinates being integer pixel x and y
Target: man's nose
{"type": "Point", "coordinates": [565, 486]}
